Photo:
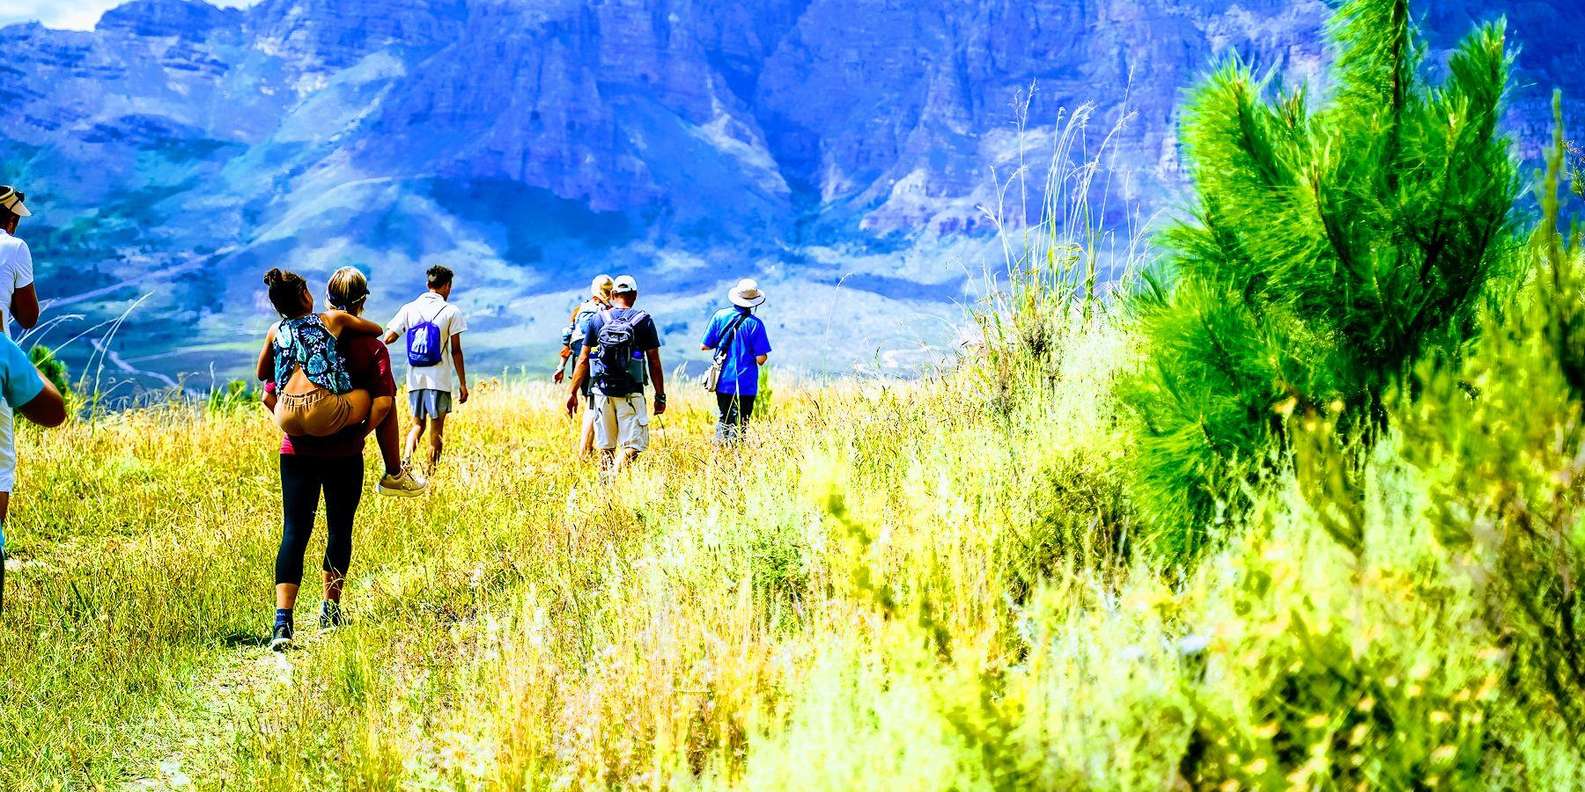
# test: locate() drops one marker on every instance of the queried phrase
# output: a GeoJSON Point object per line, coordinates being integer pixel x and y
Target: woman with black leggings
{"type": "Point", "coordinates": [332, 466]}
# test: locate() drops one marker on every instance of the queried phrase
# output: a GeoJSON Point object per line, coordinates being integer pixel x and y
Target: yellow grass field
{"type": "Point", "coordinates": [524, 625]}
{"type": "Point", "coordinates": [903, 586]}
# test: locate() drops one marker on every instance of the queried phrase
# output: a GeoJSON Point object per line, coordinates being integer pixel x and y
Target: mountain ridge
{"type": "Point", "coordinates": [816, 144]}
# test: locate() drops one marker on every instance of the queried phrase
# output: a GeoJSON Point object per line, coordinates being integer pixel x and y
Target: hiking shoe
{"type": "Point", "coordinates": [330, 615]}
{"type": "Point", "coordinates": [405, 484]}
{"type": "Point", "coordinates": [281, 637]}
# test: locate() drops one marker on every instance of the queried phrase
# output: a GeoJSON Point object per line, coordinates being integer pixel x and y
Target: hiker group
{"type": "Point", "coordinates": [328, 384]}
{"type": "Point", "coordinates": [611, 350]}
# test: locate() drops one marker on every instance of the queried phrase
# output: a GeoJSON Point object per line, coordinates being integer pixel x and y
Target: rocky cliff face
{"type": "Point", "coordinates": [178, 149]}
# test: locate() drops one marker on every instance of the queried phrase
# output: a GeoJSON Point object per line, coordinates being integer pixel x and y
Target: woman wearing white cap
{"type": "Point", "coordinates": [738, 339]}
{"type": "Point", "coordinates": [572, 344]}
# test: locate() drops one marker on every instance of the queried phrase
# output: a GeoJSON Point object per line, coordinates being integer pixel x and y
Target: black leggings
{"type": "Point", "coordinates": [302, 478]}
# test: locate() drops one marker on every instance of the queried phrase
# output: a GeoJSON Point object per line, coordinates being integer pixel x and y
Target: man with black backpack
{"type": "Point", "coordinates": [433, 327]}
{"type": "Point", "coordinates": [620, 347]}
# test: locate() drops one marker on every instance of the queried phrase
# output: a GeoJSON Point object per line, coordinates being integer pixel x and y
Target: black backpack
{"type": "Point", "coordinates": [615, 351]}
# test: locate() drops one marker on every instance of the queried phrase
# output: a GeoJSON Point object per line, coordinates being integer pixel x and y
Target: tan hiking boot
{"type": "Point", "coordinates": [405, 484]}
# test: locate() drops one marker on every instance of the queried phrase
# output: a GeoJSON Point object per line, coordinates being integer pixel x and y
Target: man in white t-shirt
{"type": "Point", "coordinates": [19, 301]}
{"type": "Point", "coordinates": [433, 329]}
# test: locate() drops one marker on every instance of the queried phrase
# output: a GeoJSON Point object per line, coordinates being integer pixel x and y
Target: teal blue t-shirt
{"type": "Point", "coordinates": [20, 383]}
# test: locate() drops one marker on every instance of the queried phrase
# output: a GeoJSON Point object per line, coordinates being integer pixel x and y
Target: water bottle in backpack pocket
{"type": "Point", "coordinates": [424, 342]}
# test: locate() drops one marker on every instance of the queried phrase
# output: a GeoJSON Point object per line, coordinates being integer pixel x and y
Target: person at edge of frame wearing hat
{"type": "Point", "coordinates": [22, 388]}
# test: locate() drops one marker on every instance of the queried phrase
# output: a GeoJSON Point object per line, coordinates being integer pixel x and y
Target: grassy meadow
{"type": "Point", "coordinates": [707, 619]}
{"type": "Point", "coordinates": [933, 585]}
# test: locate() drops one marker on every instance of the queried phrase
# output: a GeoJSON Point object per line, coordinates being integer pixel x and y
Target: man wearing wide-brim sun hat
{"type": "Point", "coordinates": [738, 339]}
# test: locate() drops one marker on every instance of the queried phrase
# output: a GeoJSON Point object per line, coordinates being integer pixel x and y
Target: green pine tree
{"type": "Point", "coordinates": [1331, 247]}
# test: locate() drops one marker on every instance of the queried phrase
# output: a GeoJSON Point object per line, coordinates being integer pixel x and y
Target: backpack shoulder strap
{"type": "Point", "coordinates": [729, 334]}
{"type": "Point", "coordinates": [634, 315]}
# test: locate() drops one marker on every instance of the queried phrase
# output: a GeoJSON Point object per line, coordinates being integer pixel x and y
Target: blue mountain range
{"type": "Point", "coordinates": [838, 150]}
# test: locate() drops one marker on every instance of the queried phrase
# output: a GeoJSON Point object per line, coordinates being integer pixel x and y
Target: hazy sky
{"type": "Point", "coordinates": [76, 14]}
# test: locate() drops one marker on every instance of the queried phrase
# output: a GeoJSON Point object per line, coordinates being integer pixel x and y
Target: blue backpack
{"type": "Point", "coordinates": [579, 326]}
{"type": "Point", "coordinates": [424, 342]}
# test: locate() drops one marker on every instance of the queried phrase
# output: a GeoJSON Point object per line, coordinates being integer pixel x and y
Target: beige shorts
{"type": "Point", "coordinates": [621, 421]}
{"type": "Point", "coordinates": [317, 413]}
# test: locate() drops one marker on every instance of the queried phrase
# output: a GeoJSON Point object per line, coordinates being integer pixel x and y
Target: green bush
{"type": "Point", "coordinates": [53, 368]}
{"type": "Point", "coordinates": [234, 394]}
{"type": "Point", "coordinates": [1576, 169]}
{"type": "Point", "coordinates": [1331, 249]}
{"type": "Point", "coordinates": [1501, 438]}
{"type": "Point", "coordinates": [764, 403]}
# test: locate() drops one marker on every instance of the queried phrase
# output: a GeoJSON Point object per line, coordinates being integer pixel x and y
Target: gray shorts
{"type": "Point", "coordinates": [428, 403]}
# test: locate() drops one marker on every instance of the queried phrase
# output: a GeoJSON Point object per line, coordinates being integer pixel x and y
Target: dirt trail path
{"type": "Point", "coordinates": [194, 741]}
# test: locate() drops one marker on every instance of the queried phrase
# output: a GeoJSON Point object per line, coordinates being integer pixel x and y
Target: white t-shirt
{"type": "Point", "coordinates": [430, 307]}
{"type": "Point", "coordinates": [16, 272]}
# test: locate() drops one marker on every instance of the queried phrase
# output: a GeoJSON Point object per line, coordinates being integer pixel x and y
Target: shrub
{"type": "Point", "coordinates": [1576, 169]}
{"type": "Point", "coordinates": [1502, 439]}
{"type": "Point", "coordinates": [53, 368]}
{"type": "Point", "coordinates": [234, 394]}
{"type": "Point", "coordinates": [1330, 250]}
{"type": "Point", "coordinates": [1049, 295]}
